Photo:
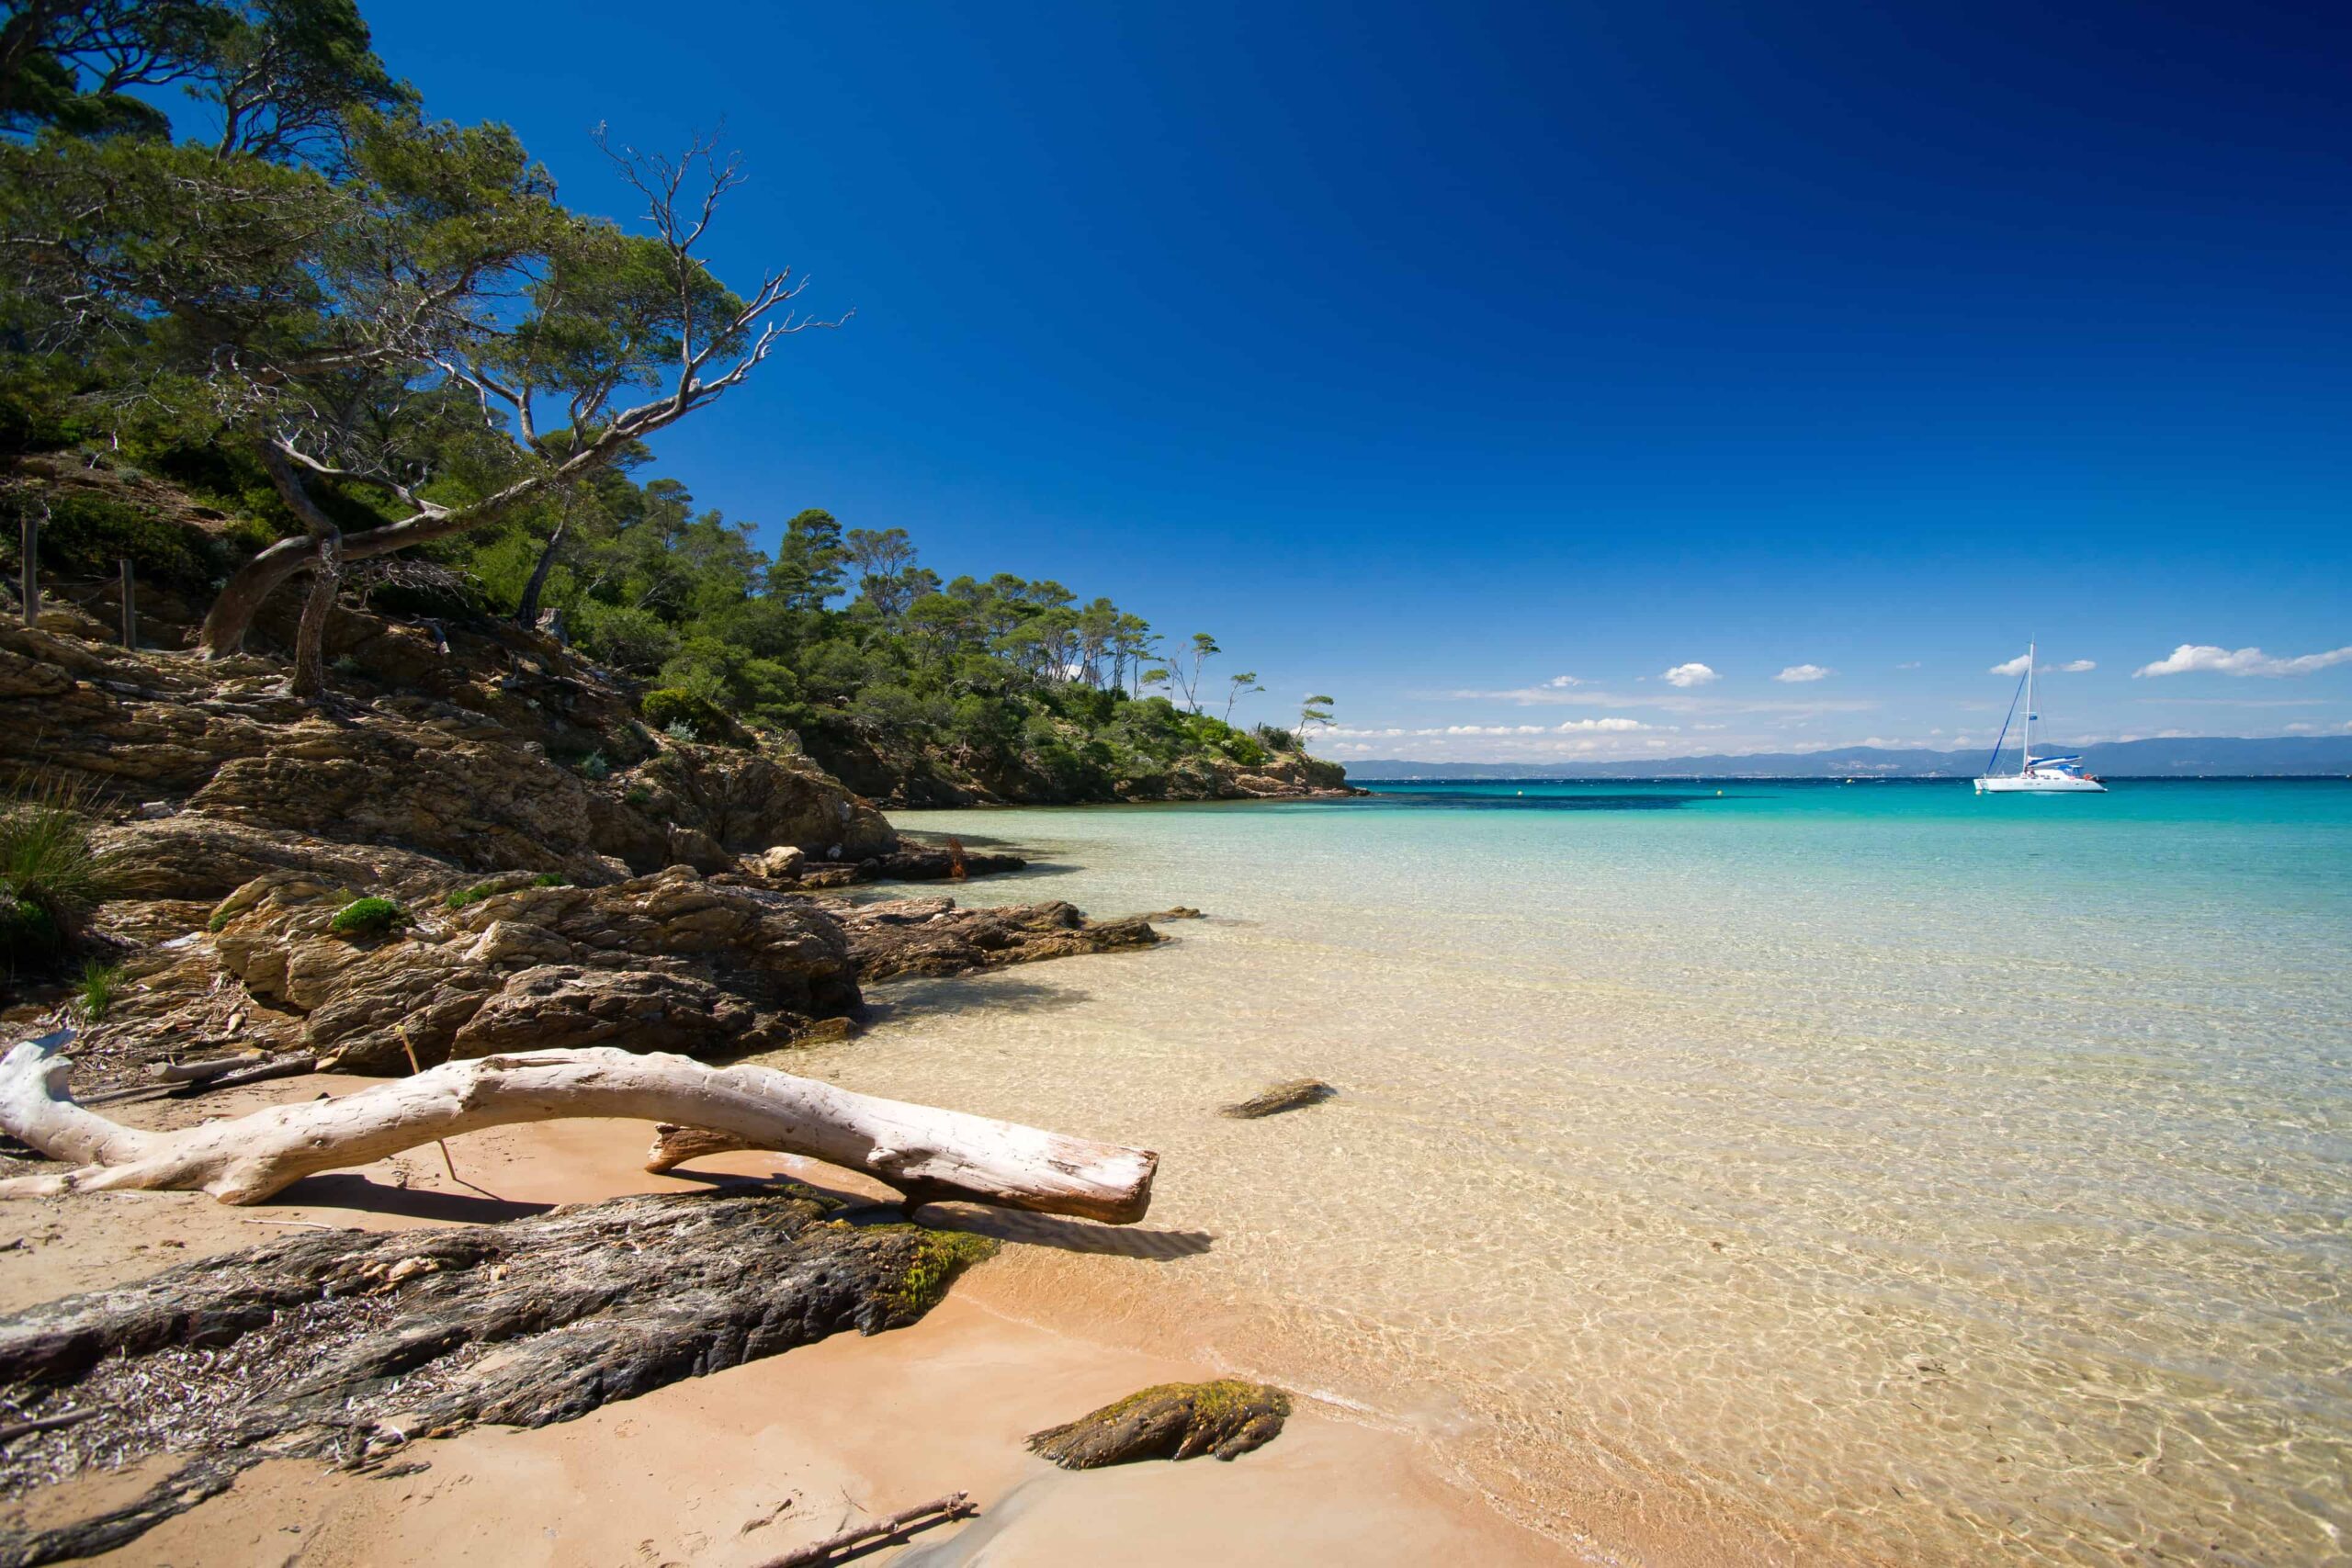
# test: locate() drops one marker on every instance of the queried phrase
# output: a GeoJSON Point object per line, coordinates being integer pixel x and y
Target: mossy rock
{"type": "Point", "coordinates": [937, 1258]}
{"type": "Point", "coordinates": [1172, 1420]}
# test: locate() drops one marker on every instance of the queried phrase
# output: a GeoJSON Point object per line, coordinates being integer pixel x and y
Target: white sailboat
{"type": "Point", "coordinates": [2035, 776]}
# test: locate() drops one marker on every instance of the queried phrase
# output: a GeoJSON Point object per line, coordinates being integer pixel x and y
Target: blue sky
{"type": "Point", "coordinates": [1427, 354]}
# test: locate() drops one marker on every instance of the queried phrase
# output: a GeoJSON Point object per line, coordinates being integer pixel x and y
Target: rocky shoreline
{"type": "Point", "coordinates": [479, 852]}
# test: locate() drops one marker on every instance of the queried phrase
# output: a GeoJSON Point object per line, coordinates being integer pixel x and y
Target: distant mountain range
{"type": "Point", "coordinates": [2294, 756]}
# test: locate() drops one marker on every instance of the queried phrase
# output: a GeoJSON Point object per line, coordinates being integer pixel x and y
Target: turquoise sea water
{"type": "Point", "coordinates": [1873, 1171]}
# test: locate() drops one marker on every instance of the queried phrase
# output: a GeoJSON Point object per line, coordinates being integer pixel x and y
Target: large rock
{"type": "Point", "coordinates": [353, 1348]}
{"type": "Point", "coordinates": [738, 803]}
{"type": "Point", "coordinates": [450, 743]}
{"type": "Point", "coordinates": [933, 936]}
{"type": "Point", "coordinates": [203, 857]}
{"type": "Point", "coordinates": [663, 962]}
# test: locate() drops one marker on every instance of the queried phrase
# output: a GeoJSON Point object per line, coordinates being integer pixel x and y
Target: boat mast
{"type": "Point", "coordinates": [2025, 747]}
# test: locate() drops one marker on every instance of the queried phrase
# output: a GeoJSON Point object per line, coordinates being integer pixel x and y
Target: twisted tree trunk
{"type": "Point", "coordinates": [925, 1153]}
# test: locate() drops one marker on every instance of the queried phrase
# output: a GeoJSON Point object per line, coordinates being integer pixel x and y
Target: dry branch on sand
{"type": "Point", "coordinates": [927, 1152]}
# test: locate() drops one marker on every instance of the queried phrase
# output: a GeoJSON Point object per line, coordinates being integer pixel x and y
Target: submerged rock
{"type": "Point", "coordinates": [1278, 1098]}
{"type": "Point", "coordinates": [1173, 1420]}
{"type": "Point", "coordinates": [933, 936]}
{"type": "Point", "coordinates": [348, 1345]}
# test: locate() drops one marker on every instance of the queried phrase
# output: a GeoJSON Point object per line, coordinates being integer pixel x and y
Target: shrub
{"type": "Point", "coordinates": [625, 636]}
{"type": "Point", "coordinates": [50, 877]}
{"type": "Point", "coordinates": [99, 985]}
{"type": "Point", "coordinates": [638, 796]}
{"type": "Point", "coordinates": [551, 879]}
{"type": "Point", "coordinates": [466, 895]}
{"type": "Point", "coordinates": [86, 534]}
{"type": "Point", "coordinates": [596, 765]}
{"type": "Point", "coordinates": [368, 916]}
{"type": "Point", "coordinates": [1245, 751]}
{"type": "Point", "coordinates": [668, 707]}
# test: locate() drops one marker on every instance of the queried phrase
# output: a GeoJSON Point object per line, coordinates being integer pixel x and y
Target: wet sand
{"type": "Point", "coordinates": [743, 1466]}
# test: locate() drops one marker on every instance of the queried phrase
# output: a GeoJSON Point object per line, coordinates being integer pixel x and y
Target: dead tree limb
{"type": "Point", "coordinates": [925, 1152]}
{"type": "Point", "coordinates": [938, 1511]}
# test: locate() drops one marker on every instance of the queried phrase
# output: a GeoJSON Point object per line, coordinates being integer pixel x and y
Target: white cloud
{"type": "Point", "coordinates": [1690, 675]}
{"type": "Point", "coordinates": [1911, 664]}
{"type": "Point", "coordinates": [2016, 667]}
{"type": "Point", "coordinates": [2205, 658]}
{"type": "Point", "coordinates": [1797, 672]}
{"type": "Point", "coordinates": [1614, 725]}
{"type": "Point", "coordinates": [1563, 680]}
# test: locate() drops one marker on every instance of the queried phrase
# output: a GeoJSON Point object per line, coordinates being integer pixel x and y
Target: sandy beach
{"type": "Point", "coordinates": [739, 1468]}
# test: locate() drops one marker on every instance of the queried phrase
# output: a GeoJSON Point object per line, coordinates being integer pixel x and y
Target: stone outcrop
{"type": "Point", "coordinates": [663, 962]}
{"type": "Point", "coordinates": [486, 749]}
{"type": "Point", "coordinates": [933, 936]}
{"type": "Point", "coordinates": [354, 1347]}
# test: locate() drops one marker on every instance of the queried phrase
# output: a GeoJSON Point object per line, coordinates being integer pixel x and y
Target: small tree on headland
{"type": "Point", "coordinates": [1204, 649]}
{"type": "Point", "coordinates": [1314, 714]}
{"type": "Point", "coordinates": [1245, 681]}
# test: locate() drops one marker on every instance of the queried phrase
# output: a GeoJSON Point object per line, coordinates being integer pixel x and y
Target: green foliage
{"type": "Point", "coordinates": [466, 897]}
{"type": "Point", "coordinates": [369, 917]}
{"type": "Point", "coordinates": [98, 986]}
{"type": "Point", "coordinates": [221, 915]}
{"type": "Point", "coordinates": [668, 707]}
{"type": "Point", "coordinates": [50, 878]}
{"type": "Point", "coordinates": [329, 282]}
{"type": "Point", "coordinates": [87, 532]}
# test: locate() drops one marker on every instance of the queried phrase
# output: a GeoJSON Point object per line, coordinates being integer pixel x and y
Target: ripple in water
{"type": "Point", "coordinates": [1870, 1174]}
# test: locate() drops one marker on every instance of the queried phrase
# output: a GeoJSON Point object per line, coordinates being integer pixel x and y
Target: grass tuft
{"type": "Point", "coordinates": [99, 986]}
{"type": "Point", "coordinates": [368, 916]}
{"type": "Point", "coordinates": [49, 876]}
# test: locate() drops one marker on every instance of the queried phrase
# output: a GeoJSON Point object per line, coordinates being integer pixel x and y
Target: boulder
{"type": "Point", "coordinates": [1173, 1420]}
{"type": "Point", "coordinates": [782, 862]}
{"type": "Point", "coordinates": [353, 1348]}
{"type": "Point", "coordinates": [933, 936]}
{"type": "Point", "coordinates": [663, 962]}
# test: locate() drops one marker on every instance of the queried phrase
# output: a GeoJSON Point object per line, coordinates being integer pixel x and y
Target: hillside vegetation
{"type": "Point", "coordinates": [303, 347]}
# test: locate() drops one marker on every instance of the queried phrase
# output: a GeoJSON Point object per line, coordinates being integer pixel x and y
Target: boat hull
{"type": "Point", "coordinates": [2039, 784]}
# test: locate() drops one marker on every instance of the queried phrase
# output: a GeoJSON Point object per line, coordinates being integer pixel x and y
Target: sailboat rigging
{"type": "Point", "coordinates": [2035, 776]}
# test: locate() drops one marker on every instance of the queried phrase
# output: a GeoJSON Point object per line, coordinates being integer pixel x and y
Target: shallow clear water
{"type": "Point", "coordinates": [1873, 1171]}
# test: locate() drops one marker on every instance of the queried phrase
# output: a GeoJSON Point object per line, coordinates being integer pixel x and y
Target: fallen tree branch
{"type": "Point", "coordinates": [259, 1071]}
{"type": "Point", "coordinates": [927, 1152]}
{"type": "Point", "coordinates": [938, 1511]}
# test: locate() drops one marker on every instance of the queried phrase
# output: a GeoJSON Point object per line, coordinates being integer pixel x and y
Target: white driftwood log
{"type": "Point", "coordinates": [925, 1152]}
